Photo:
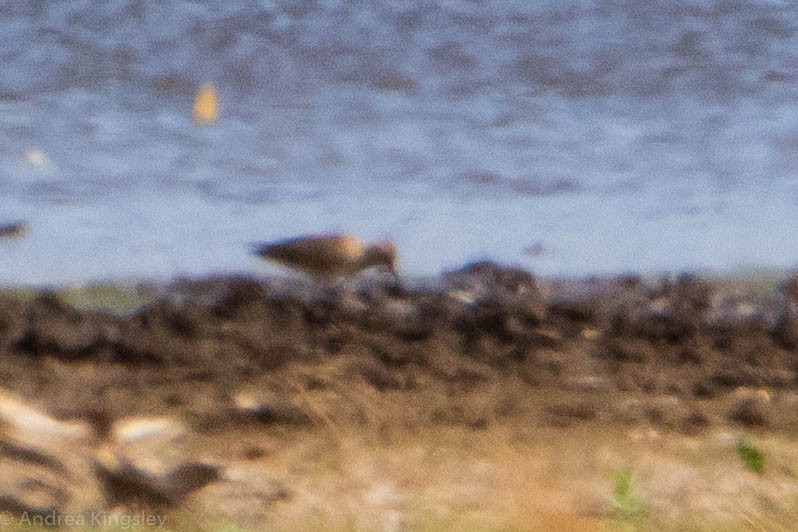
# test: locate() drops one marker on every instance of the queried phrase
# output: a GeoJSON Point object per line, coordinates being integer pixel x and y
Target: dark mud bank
{"type": "Point", "coordinates": [593, 343]}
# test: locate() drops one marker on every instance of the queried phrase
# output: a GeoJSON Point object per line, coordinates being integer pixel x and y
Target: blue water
{"type": "Point", "coordinates": [603, 136]}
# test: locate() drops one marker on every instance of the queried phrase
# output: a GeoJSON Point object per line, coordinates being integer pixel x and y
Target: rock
{"type": "Point", "coordinates": [156, 432]}
{"type": "Point", "coordinates": [690, 297]}
{"type": "Point", "coordinates": [749, 411]}
{"type": "Point", "coordinates": [143, 463]}
{"type": "Point", "coordinates": [12, 321]}
{"type": "Point", "coordinates": [54, 328]}
{"type": "Point", "coordinates": [790, 288]}
{"type": "Point", "coordinates": [24, 421]}
{"type": "Point", "coordinates": [786, 331]}
{"type": "Point", "coordinates": [488, 284]}
{"type": "Point", "coordinates": [269, 407]}
{"type": "Point", "coordinates": [127, 483]}
{"type": "Point", "coordinates": [675, 311]}
{"type": "Point", "coordinates": [51, 466]}
{"type": "Point", "coordinates": [46, 465]}
{"type": "Point", "coordinates": [167, 318]}
{"type": "Point", "coordinates": [496, 302]}
{"type": "Point", "coordinates": [242, 296]}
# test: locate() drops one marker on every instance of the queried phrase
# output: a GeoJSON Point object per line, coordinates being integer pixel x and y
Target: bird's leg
{"type": "Point", "coordinates": [393, 284]}
{"type": "Point", "coordinates": [334, 288]}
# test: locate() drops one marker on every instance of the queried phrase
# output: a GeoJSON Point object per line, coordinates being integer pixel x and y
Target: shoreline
{"type": "Point", "coordinates": [687, 337]}
{"type": "Point", "coordinates": [146, 289]}
{"type": "Point", "coordinates": [275, 376]}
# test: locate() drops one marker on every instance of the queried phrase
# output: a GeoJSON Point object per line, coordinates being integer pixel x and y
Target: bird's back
{"type": "Point", "coordinates": [320, 255]}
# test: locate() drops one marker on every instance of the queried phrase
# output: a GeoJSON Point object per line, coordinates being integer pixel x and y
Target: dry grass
{"type": "Point", "coordinates": [448, 457]}
{"type": "Point", "coordinates": [511, 478]}
{"type": "Point", "coordinates": [373, 461]}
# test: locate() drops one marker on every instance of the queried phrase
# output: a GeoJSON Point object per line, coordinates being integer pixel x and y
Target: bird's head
{"type": "Point", "coordinates": [382, 254]}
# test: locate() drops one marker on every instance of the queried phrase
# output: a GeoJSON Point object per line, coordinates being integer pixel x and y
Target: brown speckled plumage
{"type": "Point", "coordinates": [329, 255]}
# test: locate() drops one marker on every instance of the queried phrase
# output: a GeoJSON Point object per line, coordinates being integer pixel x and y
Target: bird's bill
{"type": "Point", "coordinates": [260, 249]}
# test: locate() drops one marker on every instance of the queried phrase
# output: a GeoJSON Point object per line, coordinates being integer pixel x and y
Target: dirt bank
{"type": "Point", "coordinates": [477, 349]}
{"type": "Point", "coordinates": [197, 344]}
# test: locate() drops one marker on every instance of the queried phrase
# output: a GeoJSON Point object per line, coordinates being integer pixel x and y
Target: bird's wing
{"type": "Point", "coordinates": [315, 253]}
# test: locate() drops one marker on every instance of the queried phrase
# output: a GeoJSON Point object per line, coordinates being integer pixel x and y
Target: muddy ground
{"type": "Point", "coordinates": [480, 349]}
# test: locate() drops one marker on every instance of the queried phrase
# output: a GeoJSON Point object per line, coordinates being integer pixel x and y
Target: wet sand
{"type": "Point", "coordinates": [486, 398]}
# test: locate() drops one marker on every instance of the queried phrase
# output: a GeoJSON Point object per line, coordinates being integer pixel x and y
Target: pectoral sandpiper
{"type": "Point", "coordinates": [329, 256]}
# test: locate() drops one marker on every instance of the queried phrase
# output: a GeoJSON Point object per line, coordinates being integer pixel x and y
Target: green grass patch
{"type": "Point", "coordinates": [23, 295]}
{"type": "Point", "coordinates": [623, 502]}
{"type": "Point", "coordinates": [117, 299]}
{"type": "Point", "coordinates": [752, 458]}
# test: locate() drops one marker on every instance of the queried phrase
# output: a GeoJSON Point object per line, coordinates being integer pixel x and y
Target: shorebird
{"type": "Point", "coordinates": [329, 256]}
{"type": "Point", "coordinates": [13, 230]}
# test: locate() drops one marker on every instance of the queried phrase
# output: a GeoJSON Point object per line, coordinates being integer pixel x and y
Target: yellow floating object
{"type": "Point", "coordinates": [205, 105]}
